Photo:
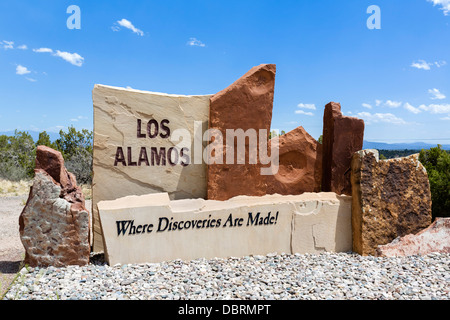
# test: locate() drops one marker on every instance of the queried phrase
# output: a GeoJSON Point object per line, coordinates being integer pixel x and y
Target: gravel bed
{"type": "Point", "coordinates": [341, 276]}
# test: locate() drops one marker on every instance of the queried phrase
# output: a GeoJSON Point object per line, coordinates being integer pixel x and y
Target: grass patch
{"type": "Point", "coordinates": [87, 191]}
{"type": "Point", "coordinates": [14, 188]}
{"type": "Point", "coordinates": [21, 188]}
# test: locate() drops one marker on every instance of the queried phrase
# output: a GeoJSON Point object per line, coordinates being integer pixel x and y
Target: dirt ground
{"type": "Point", "coordinates": [11, 248]}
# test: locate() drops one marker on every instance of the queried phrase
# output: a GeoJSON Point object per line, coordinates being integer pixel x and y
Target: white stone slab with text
{"type": "Point", "coordinates": [137, 150]}
{"type": "Point", "coordinates": [152, 228]}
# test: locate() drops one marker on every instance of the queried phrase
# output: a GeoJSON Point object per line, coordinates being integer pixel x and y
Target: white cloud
{"type": "Point", "coordinates": [411, 108]}
{"type": "Point", "coordinates": [43, 50]}
{"type": "Point", "coordinates": [31, 79]}
{"type": "Point", "coordinates": [392, 104]}
{"type": "Point", "coordinates": [387, 103]}
{"type": "Point", "coordinates": [380, 117]}
{"type": "Point", "coordinates": [127, 24]}
{"type": "Point", "coordinates": [54, 129]}
{"type": "Point", "coordinates": [445, 5]}
{"type": "Point", "coordinates": [304, 113]}
{"type": "Point", "coordinates": [78, 118]}
{"type": "Point", "coordinates": [73, 58]}
{"type": "Point", "coordinates": [21, 70]}
{"type": "Point", "coordinates": [436, 108]}
{"type": "Point", "coordinates": [307, 106]}
{"type": "Point", "coordinates": [8, 44]}
{"type": "Point", "coordinates": [422, 64]}
{"type": "Point", "coordinates": [436, 94]}
{"type": "Point", "coordinates": [195, 42]}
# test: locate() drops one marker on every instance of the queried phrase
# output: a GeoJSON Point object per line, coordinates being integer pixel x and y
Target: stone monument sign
{"type": "Point", "coordinates": [140, 146]}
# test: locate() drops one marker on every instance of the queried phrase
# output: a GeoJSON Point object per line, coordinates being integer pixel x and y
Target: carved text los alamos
{"type": "Point", "coordinates": [152, 156]}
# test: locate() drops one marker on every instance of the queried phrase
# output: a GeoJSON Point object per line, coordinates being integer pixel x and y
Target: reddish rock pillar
{"type": "Point", "coordinates": [246, 104]}
{"type": "Point", "coordinates": [342, 137]}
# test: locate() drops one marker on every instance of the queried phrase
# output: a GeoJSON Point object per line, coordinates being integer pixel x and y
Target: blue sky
{"type": "Point", "coordinates": [396, 78]}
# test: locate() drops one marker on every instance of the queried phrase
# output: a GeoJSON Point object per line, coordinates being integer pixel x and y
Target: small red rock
{"type": "Point", "coordinates": [300, 164]}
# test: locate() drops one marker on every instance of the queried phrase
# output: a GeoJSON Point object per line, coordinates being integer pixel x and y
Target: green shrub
{"type": "Point", "coordinates": [76, 148]}
{"type": "Point", "coordinates": [437, 163]}
{"type": "Point", "coordinates": [18, 154]}
{"type": "Point", "coordinates": [80, 164]}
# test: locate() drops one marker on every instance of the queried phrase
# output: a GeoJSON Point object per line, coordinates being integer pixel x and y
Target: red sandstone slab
{"type": "Point", "coordinates": [342, 137]}
{"type": "Point", "coordinates": [246, 104]}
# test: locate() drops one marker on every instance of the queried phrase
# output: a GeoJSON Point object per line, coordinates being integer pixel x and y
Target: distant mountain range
{"type": "Point", "coordinates": [33, 134]}
{"type": "Point", "coordinates": [367, 144]}
{"type": "Point", "coordinates": [401, 146]}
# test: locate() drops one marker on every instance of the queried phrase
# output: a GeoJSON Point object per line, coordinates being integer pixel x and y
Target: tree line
{"type": "Point", "coordinates": [18, 153]}
{"type": "Point", "coordinates": [391, 154]}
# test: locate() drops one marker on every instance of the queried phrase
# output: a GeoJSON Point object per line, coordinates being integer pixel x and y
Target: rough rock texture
{"type": "Point", "coordinates": [435, 238]}
{"type": "Point", "coordinates": [139, 149]}
{"type": "Point", "coordinates": [391, 198]}
{"type": "Point", "coordinates": [342, 137]}
{"type": "Point", "coordinates": [246, 104]}
{"type": "Point", "coordinates": [300, 164]}
{"type": "Point", "coordinates": [54, 224]}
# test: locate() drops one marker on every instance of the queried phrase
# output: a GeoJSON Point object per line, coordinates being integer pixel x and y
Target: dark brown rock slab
{"type": "Point", "coordinates": [247, 105]}
{"type": "Point", "coordinates": [435, 238]}
{"type": "Point", "coordinates": [391, 198]}
{"type": "Point", "coordinates": [54, 224]}
{"type": "Point", "coordinates": [300, 164]}
{"type": "Point", "coordinates": [342, 137]}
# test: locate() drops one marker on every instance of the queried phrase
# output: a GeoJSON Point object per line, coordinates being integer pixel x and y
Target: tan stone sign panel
{"type": "Point", "coordinates": [139, 149]}
{"type": "Point", "coordinates": [152, 228]}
